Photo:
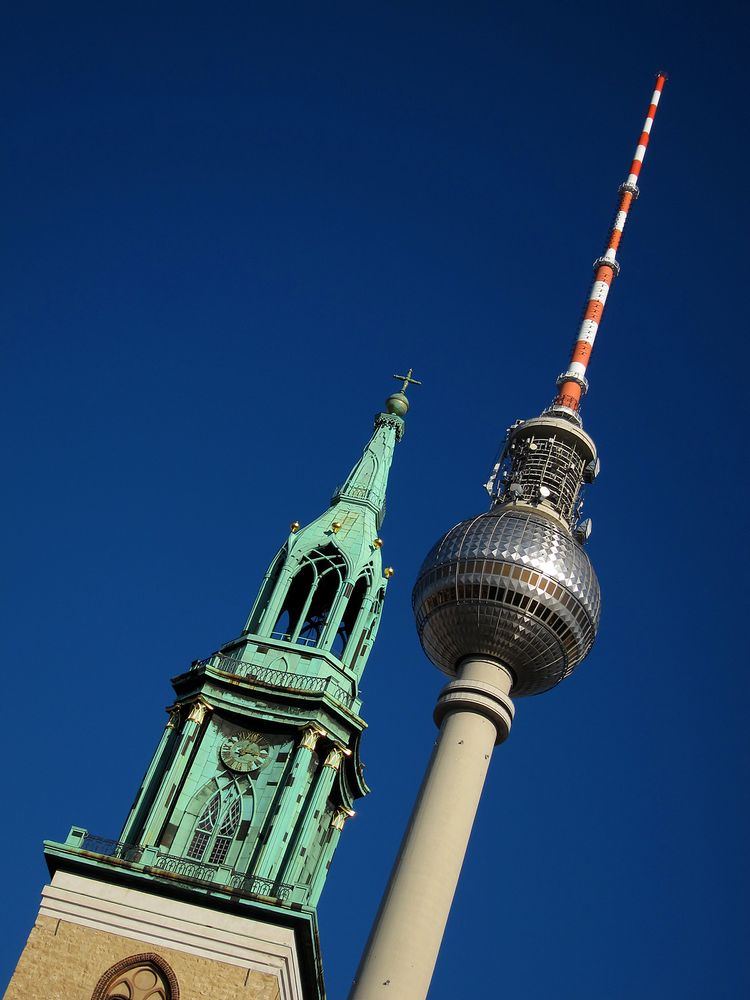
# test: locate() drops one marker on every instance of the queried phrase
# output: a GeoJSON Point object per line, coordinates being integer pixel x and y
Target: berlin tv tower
{"type": "Point", "coordinates": [506, 604]}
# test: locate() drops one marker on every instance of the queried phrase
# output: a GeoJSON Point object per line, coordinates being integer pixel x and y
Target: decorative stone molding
{"type": "Point", "coordinates": [136, 964]}
{"type": "Point", "coordinates": [224, 939]}
{"type": "Point", "coordinates": [392, 421]}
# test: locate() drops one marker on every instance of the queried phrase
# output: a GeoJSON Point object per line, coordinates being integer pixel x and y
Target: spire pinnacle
{"type": "Point", "coordinates": [397, 403]}
{"type": "Point", "coordinates": [407, 380]}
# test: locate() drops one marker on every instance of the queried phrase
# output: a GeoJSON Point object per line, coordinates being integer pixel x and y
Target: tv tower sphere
{"type": "Point", "coordinates": [514, 583]}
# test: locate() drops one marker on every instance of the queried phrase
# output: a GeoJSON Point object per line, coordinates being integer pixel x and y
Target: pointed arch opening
{"type": "Point", "coordinates": [216, 827]}
{"type": "Point", "coordinates": [283, 627]}
{"type": "Point", "coordinates": [266, 593]}
{"type": "Point", "coordinates": [294, 602]}
{"type": "Point", "coordinates": [139, 977]}
{"type": "Point", "coordinates": [351, 613]}
{"type": "Point", "coordinates": [330, 571]}
{"type": "Point", "coordinates": [215, 821]}
{"type": "Point", "coordinates": [306, 608]}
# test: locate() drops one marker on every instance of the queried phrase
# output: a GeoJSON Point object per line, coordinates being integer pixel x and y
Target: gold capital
{"type": "Point", "coordinates": [174, 717]}
{"type": "Point", "coordinates": [334, 758]}
{"type": "Point", "coordinates": [310, 736]}
{"type": "Point", "coordinates": [199, 711]}
{"type": "Point", "coordinates": [340, 816]}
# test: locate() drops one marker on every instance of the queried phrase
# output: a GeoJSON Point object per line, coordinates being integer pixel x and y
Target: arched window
{"type": "Point", "coordinates": [139, 977]}
{"type": "Point", "coordinates": [210, 827]}
{"type": "Point", "coordinates": [216, 827]}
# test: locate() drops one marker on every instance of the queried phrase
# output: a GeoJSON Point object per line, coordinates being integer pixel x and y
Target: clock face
{"type": "Point", "coordinates": [244, 752]}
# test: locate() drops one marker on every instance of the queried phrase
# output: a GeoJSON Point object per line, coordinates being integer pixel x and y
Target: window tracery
{"type": "Point", "coordinates": [138, 977]}
{"type": "Point", "coordinates": [307, 605]}
{"type": "Point", "coordinates": [216, 826]}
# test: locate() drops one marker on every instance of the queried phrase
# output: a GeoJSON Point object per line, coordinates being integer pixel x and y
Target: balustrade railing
{"type": "Point", "coordinates": [111, 848]}
{"type": "Point", "coordinates": [279, 678]}
{"type": "Point", "coordinates": [255, 886]}
{"type": "Point", "coordinates": [189, 868]}
{"type": "Point", "coordinates": [186, 867]}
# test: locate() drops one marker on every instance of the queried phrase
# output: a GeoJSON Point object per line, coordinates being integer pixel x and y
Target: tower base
{"type": "Point", "coordinates": [88, 928]}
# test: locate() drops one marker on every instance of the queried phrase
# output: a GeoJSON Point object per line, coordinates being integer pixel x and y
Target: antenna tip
{"type": "Point", "coordinates": [663, 74]}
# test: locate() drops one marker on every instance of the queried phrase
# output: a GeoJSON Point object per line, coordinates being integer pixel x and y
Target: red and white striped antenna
{"type": "Point", "coordinates": [572, 383]}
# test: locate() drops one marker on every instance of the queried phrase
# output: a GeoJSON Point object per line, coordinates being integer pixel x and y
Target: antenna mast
{"type": "Point", "coordinates": [572, 383]}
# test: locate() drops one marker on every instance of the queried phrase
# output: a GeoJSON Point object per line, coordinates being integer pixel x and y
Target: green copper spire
{"type": "Point", "coordinates": [258, 768]}
{"type": "Point", "coordinates": [325, 587]}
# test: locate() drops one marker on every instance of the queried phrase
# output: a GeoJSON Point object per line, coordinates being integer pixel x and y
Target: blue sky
{"type": "Point", "coordinates": [224, 228]}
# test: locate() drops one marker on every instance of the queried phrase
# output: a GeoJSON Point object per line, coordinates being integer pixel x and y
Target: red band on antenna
{"type": "Point", "coordinates": [572, 383]}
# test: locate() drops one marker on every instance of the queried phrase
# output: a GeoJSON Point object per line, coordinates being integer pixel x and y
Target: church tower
{"type": "Point", "coordinates": [211, 888]}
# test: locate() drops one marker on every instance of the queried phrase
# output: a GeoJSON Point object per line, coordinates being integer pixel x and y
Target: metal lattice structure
{"type": "Point", "coordinates": [544, 464]}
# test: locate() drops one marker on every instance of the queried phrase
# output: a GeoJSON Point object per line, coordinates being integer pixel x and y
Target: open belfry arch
{"type": "Point", "coordinates": [216, 874]}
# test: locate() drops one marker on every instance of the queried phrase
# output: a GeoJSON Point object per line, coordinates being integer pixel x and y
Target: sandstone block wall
{"type": "Point", "coordinates": [64, 961]}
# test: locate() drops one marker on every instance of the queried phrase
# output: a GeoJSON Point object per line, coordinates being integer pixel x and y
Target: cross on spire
{"type": "Point", "coordinates": [407, 380]}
